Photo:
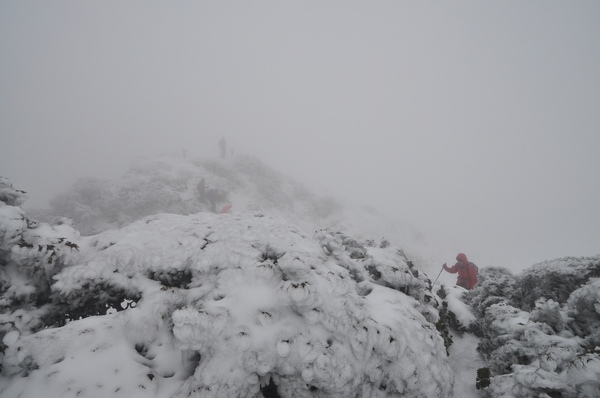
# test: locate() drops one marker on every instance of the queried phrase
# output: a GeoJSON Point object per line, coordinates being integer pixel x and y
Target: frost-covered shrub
{"type": "Point", "coordinates": [232, 305]}
{"type": "Point", "coordinates": [483, 378]}
{"type": "Point", "coordinates": [90, 203]}
{"type": "Point", "coordinates": [495, 285]}
{"type": "Point", "coordinates": [380, 265]}
{"type": "Point", "coordinates": [541, 338]}
{"type": "Point", "coordinates": [454, 314]}
{"type": "Point", "coordinates": [583, 374]}
{"type": "Point", "coordinates": [584, 310]}
{"type": "Point", "coordinates": [142, 197]}
{"type": "Point", "coordinates": [502, 323]}
{"type": "Point", "coordinates": [9, 195]}
{"type": "Point", "coordinates": [31, 254]}
{"type": "Point", "coordinates": [550, 313]}
{"type": "Point", "coordinates": [447, 320]}
{"type": "Point", "coordinates": [90, 299]}
{"type": "Point", "coordinates": [151, 186]}
{"type": "Point", "coordinates": [555, 280]}
{"type": "Point", "coordinates": [528, 358]}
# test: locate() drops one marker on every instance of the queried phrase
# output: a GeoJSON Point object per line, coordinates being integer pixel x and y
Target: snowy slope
{"type": "Point", "coordinates": [290, 294]}
{"type": "Point", "coordinates": [229, 303]}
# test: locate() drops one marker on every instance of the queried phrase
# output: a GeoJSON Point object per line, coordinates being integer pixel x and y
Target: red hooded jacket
{"type": "Point", "coordinates": [467, 272]}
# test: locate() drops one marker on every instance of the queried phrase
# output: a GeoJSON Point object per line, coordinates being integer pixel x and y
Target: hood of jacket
{"type": "Point", "coordinates": [462, 257]}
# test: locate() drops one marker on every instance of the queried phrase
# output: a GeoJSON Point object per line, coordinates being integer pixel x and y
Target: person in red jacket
{"type": "Point", "coordinates": [467, 272]}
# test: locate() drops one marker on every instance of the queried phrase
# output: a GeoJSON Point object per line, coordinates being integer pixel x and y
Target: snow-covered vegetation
{"type": "Point", "coordinates": [135, 288]}
{"type": "Point", "coordinates": [540, 330]}
{"type": "Point", "coordinates": [214, 306]}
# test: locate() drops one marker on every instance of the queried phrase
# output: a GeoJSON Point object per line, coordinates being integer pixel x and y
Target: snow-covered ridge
{"type": "Point", "coordinates": [168, 184]}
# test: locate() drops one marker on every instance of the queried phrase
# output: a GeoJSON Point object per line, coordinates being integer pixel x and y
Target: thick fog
{"type": "Point", "coordinates": [478, 122]}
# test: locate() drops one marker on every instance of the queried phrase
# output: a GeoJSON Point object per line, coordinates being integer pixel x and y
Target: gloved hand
{"type": "Point", "coordinates": [444, 266]}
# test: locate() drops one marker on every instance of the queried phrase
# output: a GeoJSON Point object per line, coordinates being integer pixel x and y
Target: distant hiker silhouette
{"type": "Point", "coordinates": [223, 146]}
{"type": "Point", "coordinates": [467, 272]}
{"type": "Point", "coordinates": [202, 190]}
{"type": "Point", "coordinates": [213, 196]}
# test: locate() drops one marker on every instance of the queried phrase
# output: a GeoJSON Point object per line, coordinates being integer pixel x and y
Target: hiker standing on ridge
{"type": "Point", "coordinates": [213, 197]}
{"type": "Point", "coordinates": [467, 272]}
{"type": "Point", "coordinates": [202, 189]}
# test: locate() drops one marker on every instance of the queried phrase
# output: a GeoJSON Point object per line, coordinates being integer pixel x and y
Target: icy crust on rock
{"type": "Point", "coordinates": [227, 304]}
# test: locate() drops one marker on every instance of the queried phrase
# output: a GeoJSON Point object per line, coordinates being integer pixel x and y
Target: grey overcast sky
{"type": "Point", "coordinates": [478, 121]}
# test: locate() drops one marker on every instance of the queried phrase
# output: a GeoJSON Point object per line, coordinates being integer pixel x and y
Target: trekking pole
{"type": "Point", "coordinates": [437, 278]}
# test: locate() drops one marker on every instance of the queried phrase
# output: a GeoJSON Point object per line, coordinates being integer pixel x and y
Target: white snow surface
{"type": "Point", "coordinates": [228, 303]}
{"type": "Point", "coordinates": [465, 361]}
{"type": "Point", "coordinates": [456, 304]}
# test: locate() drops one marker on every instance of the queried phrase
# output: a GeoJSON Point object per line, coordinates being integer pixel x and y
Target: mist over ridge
{"type": "Point", "coordinates": [169, 184]}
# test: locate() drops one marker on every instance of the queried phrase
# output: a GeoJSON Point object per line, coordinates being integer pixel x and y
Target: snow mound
{"type": "Point", "coordinates": [208, 305]}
